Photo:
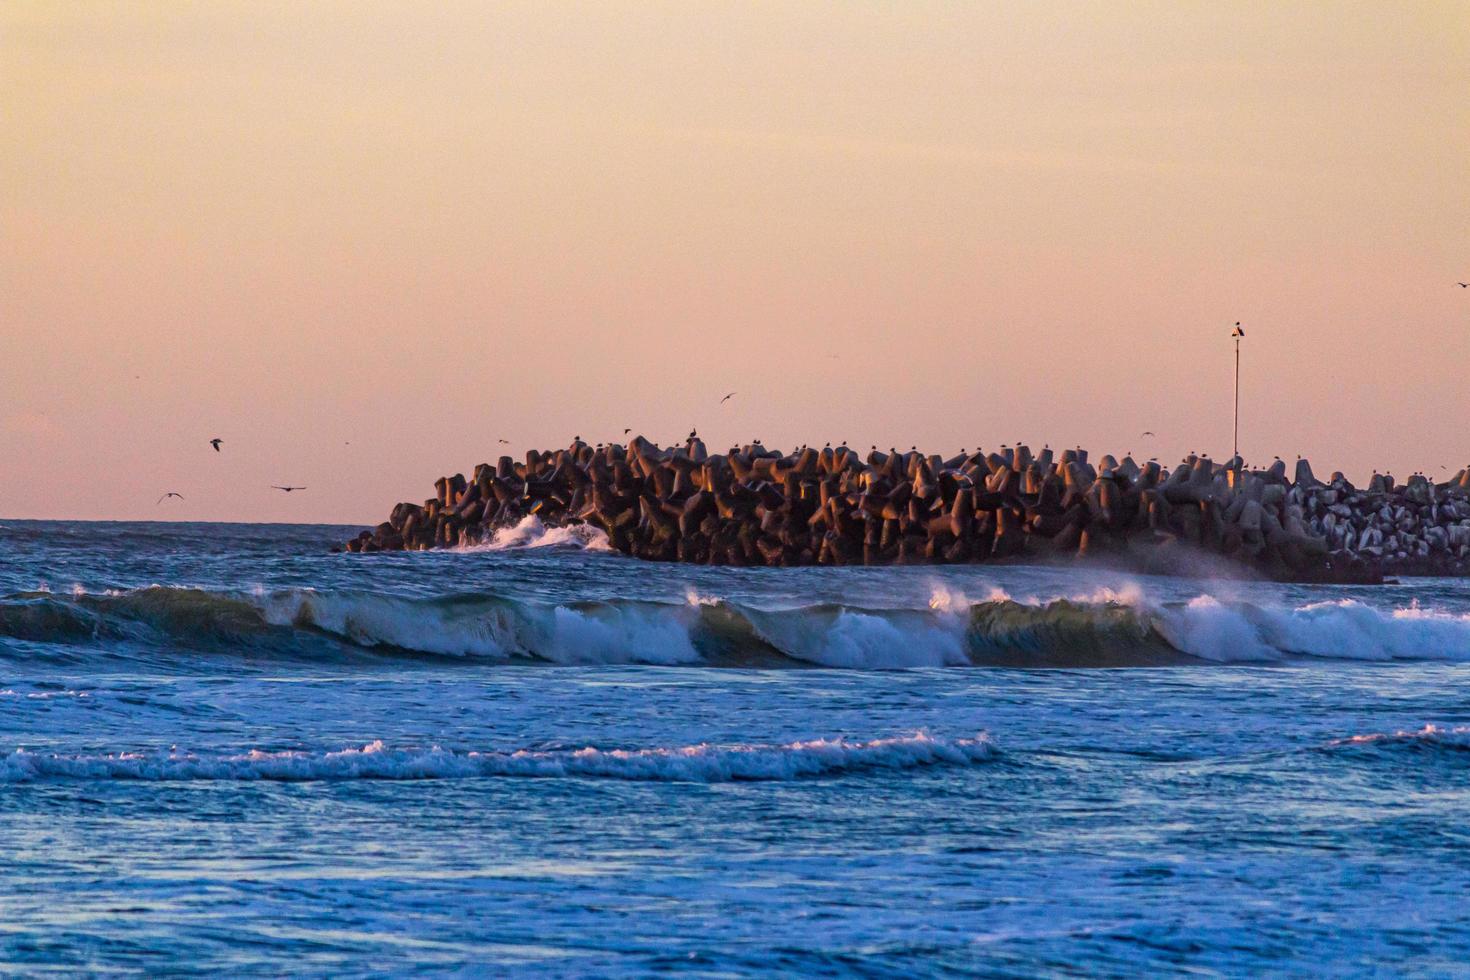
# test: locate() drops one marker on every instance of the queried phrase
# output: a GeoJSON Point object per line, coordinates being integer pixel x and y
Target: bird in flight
{"type": "Point", "coordinates": [727, 397]}
{"type": "Point", "coordinates": [1237, 332]}
{"type": "Point", "coordinates": [215, 443]}
{"type": "Point", "coordinates": [1146, 434]}
{"type": "Point", "coordinates": [286, 489]}
{"type": "Point", "coordinates": [504, 442]}
{"type": "Point", "coordinates": [626, 431]}
{"type": "Point", "coordinates": [171, 493]}
{"type": "Point", "coordinates": [1464, 285]}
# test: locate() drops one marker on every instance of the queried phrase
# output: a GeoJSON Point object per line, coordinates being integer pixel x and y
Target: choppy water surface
{"type": "Point", "coordinates": [222, 748]}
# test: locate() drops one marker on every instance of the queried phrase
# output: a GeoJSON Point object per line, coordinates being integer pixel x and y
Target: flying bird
{"type": "Point", "coordinates": [1464, 285]}
{"type": "Point", "coordinates": [626, 431]}
{"type": "Point", "coordinates": [168, 495]}
{"type": "Point", "coordinates": [1146, 434]}
{"type": "Point", "coordinates": [215, 443]}
{"type": "Point", "coordinates": [504, 442]}
{"type": "Point", "coordinates": [286, 489]}
{"type": "Point", "coordinates": [727, 397]}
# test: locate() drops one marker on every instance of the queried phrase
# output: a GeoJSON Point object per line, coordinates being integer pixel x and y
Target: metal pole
{"type": "Point", "coordinates": [1235, 438]}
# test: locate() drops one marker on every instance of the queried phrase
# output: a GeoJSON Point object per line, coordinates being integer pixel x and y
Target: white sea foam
{"type": "Point", "coordinates": [1351, 630]}
{"type": "Point", "coordinates": [1207, 628]}
{"type": "Point", "coordinates": [1240, 632]}
{"type": "Point", "coordinates": [946, 598]}
{"type": "Point", "coordinates": [691, 763]}
{"type": "Point", "coordinates": [616, 632]}
{"type": "Point", "coordinates": [859, 639]}
{"type": "Point", "coordinates": [1345, 629]}
{"type": "Point", "coordinates": [621, 634]}
{"type": "Point", "coordinates": [529, 532]}
{"type": "Point", "coordinates": [1457, 736]}
{"type": "Point", "coordinates": [1126, 594]}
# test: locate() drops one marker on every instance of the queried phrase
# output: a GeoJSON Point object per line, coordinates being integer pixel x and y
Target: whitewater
{"type": "Point", "coordinates": [224, 748]}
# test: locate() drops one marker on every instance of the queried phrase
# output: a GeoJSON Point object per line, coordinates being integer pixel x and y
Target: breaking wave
{"type": "Point", "coordinates": [529, 532]}
{"type": "Point", "coordinates": [693, 763]}
{"type": "Point", "coordinates": [1430, 737]}
{"type": "Point", "coordinates": [1101, 629]}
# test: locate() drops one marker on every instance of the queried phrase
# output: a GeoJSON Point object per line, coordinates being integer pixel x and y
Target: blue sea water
{"type": "Point", "coordinates": [225, 749]}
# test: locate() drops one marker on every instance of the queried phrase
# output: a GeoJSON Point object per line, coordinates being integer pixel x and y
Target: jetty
{"type": "Point", "coordinates": [753, 506]}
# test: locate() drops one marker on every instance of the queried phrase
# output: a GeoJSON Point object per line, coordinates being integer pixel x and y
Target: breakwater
{"type": "Point", "coordinates": [837, 506]}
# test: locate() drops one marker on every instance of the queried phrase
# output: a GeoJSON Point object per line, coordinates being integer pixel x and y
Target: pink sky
{"type": "Point", "coordinates": [419, 229]}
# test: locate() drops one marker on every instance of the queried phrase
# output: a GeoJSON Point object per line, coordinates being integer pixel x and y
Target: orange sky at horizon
{"type": "Point", "coordinates": [362, 242]}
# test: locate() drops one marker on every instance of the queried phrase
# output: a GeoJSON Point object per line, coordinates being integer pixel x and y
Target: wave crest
{"type": "Point", "coordinates": [1098, 630]}
{"type": "Point", "coordinates": [692, 763]}
{"type": "Point", "coordinates": [1456, 738]}
{"type": "Point", "coordinates": [530, 532]}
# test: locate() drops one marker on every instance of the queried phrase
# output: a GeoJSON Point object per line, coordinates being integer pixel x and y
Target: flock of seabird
{"type": "Point", "coordinates": [1237, 333]}
{"type": "Point", "coordinates": [216, 443]}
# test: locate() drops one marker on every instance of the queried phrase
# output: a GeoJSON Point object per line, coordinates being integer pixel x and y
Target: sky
{"type": "Point", "coordinates": [363, 242]}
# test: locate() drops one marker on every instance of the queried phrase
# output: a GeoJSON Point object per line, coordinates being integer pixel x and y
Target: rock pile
{"type": "Point", "coordinates": [836, 506]}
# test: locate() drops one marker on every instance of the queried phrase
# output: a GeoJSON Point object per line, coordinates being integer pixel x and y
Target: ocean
{"type": "Point", "coordinates": [224, 748]}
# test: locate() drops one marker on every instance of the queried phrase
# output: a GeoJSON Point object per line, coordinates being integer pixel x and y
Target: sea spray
{"type": "Point", "coordinates": [530, 532]}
